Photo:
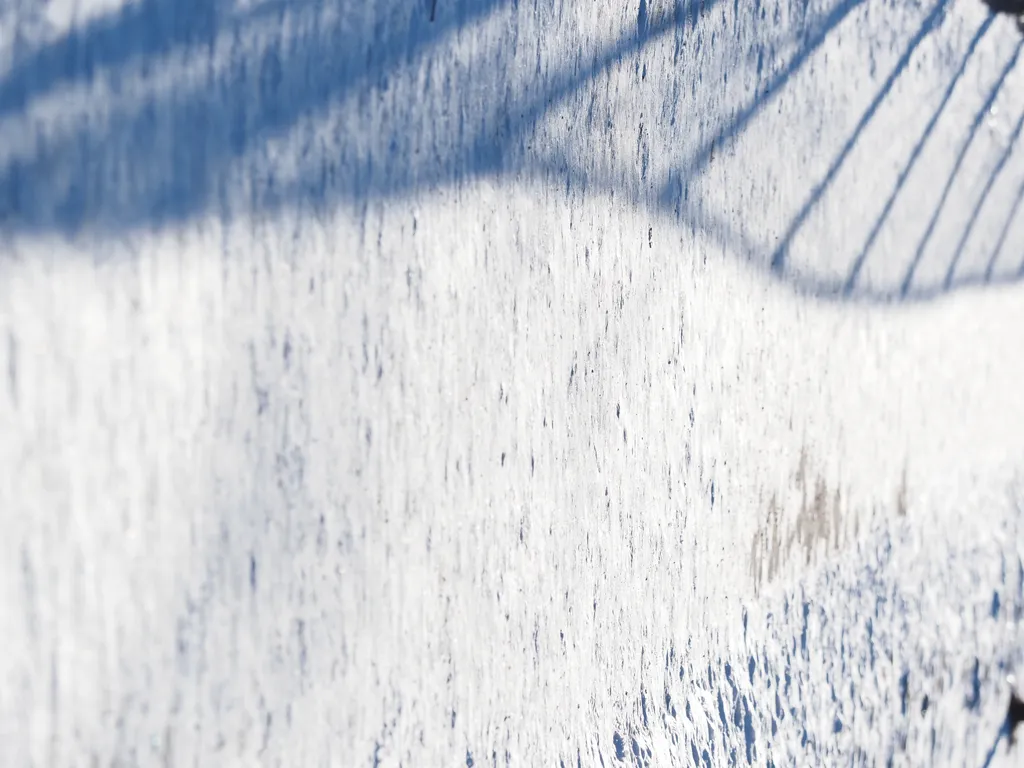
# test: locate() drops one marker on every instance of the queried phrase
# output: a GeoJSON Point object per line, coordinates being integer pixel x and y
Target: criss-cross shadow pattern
{"type": "Point", "coordinates": [211, 107]}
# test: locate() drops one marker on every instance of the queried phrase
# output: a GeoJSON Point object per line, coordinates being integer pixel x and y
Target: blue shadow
{"type": "Point", "coordinates": [203, 146]}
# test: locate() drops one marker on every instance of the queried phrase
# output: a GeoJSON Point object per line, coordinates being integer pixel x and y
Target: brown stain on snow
{"type": "Point", "coordinates": [823, 522]}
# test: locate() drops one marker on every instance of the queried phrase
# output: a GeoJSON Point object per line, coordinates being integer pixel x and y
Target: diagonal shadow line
{"type": "Point", "coordinates": [1004, 732]}
{"type": "Point", "coordinates": [569, 82]}
{"type": "Point", "coordinates": [1001, 241]}
{"type": "Point", "coordinates": [931, 21]}
{"type": "Point", "coordinates": [1000, 166]}
{"type": "Point", "coordinates": [979, 117]}
{"type": "Point", "coordinates": [484, 157]}
{"type": "Point", "coordinates": [735, 127]}
{"type": "Point", "coordinates": [647, 33]}
{"type": "Point", "coordinates": [915, 155]}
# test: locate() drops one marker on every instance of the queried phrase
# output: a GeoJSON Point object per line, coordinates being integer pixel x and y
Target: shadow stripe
{"type": "Point", "coordinates": [972, 133]}
{"type": "Point", "coordinates": [915, 155]}
{"type": "Point", "coordinates": [989, 184]}
{"type": "Point", "coordinates": [931, 21]}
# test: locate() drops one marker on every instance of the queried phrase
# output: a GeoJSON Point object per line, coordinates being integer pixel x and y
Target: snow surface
{"type": "Point", "coordinates": [510, 383]}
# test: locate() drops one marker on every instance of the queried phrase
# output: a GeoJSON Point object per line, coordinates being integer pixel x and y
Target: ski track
{"type": "Point", "coordinates": [509, 383]}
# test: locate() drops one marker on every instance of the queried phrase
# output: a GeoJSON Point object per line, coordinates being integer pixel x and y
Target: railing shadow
{"type": "Point", "coordinates": [254, 84]}
{"type": "Point", "coordinates": [972, 132]}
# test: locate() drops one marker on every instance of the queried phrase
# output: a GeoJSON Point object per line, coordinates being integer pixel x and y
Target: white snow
{"type": "Point", "coordinates": [401, 409]}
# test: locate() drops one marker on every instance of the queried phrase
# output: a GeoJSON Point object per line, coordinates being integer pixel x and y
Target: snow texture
{"type": "Point", "coordinates": [510, 382]}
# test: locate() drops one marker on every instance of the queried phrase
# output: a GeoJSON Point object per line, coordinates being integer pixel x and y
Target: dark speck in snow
{"type": "Point", "coordinates": [975, 698]}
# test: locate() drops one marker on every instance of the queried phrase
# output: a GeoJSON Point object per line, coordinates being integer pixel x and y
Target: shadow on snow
{"type": "Point", "coordinates": [210, 142]}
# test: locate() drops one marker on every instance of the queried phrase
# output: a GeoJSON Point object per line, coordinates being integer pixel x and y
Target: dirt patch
{"type": "Point", "coordinates": [822, 523]}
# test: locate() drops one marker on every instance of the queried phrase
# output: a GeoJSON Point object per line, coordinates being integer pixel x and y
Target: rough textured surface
{"type": "Point", "coordinates": [509, 383]}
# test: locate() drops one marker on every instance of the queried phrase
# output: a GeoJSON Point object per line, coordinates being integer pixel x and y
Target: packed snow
{"type": "Point", "coordinates": [507, 383]}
